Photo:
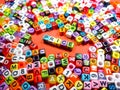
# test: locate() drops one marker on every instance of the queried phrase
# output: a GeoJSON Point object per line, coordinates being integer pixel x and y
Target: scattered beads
{"type": "Point", "coordinates": [25, 67]}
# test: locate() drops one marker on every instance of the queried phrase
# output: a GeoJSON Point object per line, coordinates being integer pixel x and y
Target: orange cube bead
{"type": "Point", "coordinates": [29, 77]}
{"type": "Point", "coordinates": [59, 70]}
{"type": "Point", "coordinates": [14, 84]}
{"type": "Point", "coordinates": [69, 84]}
{"type": "Point", "coordinates": [107, 71]}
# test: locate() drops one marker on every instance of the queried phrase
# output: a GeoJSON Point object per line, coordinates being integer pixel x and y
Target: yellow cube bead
{"type": "Point", "coordinates": [79, 39]}
{"type": "Point", "coordinates": [67, 26]}
{"type": "Point", "coordinates": [14, 27]}
{"type": "Point", "coordinates": [107, 64]}
{"type": "Point", "coordinates": [90, 35]}
{"type": "Point", "coordinates": [117, 42]}
{"type": "Point", "coordinates": [52, 79]}
{"type": "Point", "coordinates": [94, 39]}
{"type": "Point", "coordinates": [35, 52]}
{"type": "Point", "coordinates": [62, 31]}
{"type": "Point", "coordinates": [104, 89]}
{"type": "Point", "coordinates": [116, 55]}
{"type": "Point", "coordinates": [55, 41]}
{"type": "Point", "coordinates": [93, 61]}
{"type": "Point", "coordinates": [58, 42]}
{"type": "Point", "coordinates": [79, 85]}
{"type": "Point", "coordinates": [60, 78]}
{"type": "Point", "coordinates": [14, 66]}
{"type": "Point", "coordinates": [93, 23]}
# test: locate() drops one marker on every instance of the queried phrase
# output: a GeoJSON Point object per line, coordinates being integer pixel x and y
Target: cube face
{"type": "Point", "coordinates": [46, 38]}
{"type": "Point", "coordinates": [25, 86]}
{"type": "Point", "coordinates": [64, 62]}
{"type": "Point", "coordinates": [44, 73]}
{"type": "Point", "coordinates": [51, 57]}
{"type": "Point", "coordinates": [64, 43]}
{"type": "Point", "coordinates": [79, 85]}
{"type": "Point", "coordinates": [60, 78]}
{"type": "Point", "coordinates": [9, 80]}
{"type": "Point", "coordinates": [61, 86]}
{"type": "Point", "coordinates": [78, 56]}
{"type": "Point", "coordinates": [87, 85]}
{"type": "Point", "coordinates": [85, 77]}
{"type": "Point", "coordinates": [70, 45]}
{"type": "Point", "coordinates": [68, 83]}
{"type": "Point", "coordinates": [14, 84]}
{"type": "Point", "coordinates": [43, 60]}
{"type": "Point", "coordinates": [52, 79]}
{"type": "Point", "coordinates": [59, 70]}
{"type": "Point", "coordinates": [77, 71]}
{"type": "Point", "coordinates": [37, 79]}
{"type": "Point", "coordinates": [41, 86]}
{"type": "Point", "coordinates": [95, 84]}
{"type": "Point", "coordinates": [29, 77]}
{"type": "Point", "coordinates": [4, 86]}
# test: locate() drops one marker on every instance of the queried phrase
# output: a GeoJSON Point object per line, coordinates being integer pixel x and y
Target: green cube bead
{"type": "Point", "coordinates": [73, 28]}
{"type": "Point", "coordinates": [58, 21]}
{"type": "Point", "coordinates": [67, 26]}
{"type": "Point", "coordinates": [43, 60]}
{"type": "Point", "coordinates": [9, 80]}
{"type": "Point", "coordinates": [22, 40]}
{"type": "Point", "coordinates": [44, 73]}
{"type": "Point", "coordinates": [51, 57]}
{"type": "Point", "coordinates": [91, 11]}
{"type": "Point", "coordinates": [64, 62]}
{"type": "Point", "coordinates": [27, 36]}
{"type": "Point", "coordinates": [74, 24]}
{"type": "Point", "coordinates": [11, 32]}
{"type": "Point", "coordinates": [86, 62]}
{"type": "Point", "coordinates": [70, 45]}
{"type": "Point", "coordinates": [2, 33]}
{"type": "Point", "coordinates": [30, 22]}
{"type": "Point", "coordinates": [78, 56]}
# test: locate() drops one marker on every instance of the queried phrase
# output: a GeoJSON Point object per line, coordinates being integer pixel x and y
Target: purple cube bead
{"type": "Point", "coordinates": [32, 88]}
{"type": "Point", "coordinates": [55, 13]}
{"type": "Point", "coordinates": [57, 62]}
{"type": "Point", "coordinates": [2, 69]}
{"type": "Point", "coordinates": [100, 25]}
{"type": "Point", "coordinates": [108, 57]}
{"type": "Point", "coordinates": [31, 16]}
{"type": "Point", "coordinates": [1, 50]}
{"type": "Point", "coordinates": [16, 21]}
{"type": "Point", "coordinates": [31, 30]}
{"type": "Point", "coordinates": [2, 39]}
{"type": "Point", "coordinates": [3, 86]}
{"type": "Point", "coordinates": [96, 27]}
{"type": "Point", "coordinates": [75, 34]}
{"type": "Point", "coordinates": [85, 57]}
{"type": "Point", "coordinates": [19, 34]}
{"type": "Point", "coordinates": [77, 71]}
{"type": "Point", "coordinates": [2, 45]}
{"type": "Point", "coordinates": [108, 20]}
{"type": "Point", "coordinates": [64, 43]}
{"type": "Point", "coordinates": [86, 39]}
{"type": "Point", "coordinates": [42, 14]}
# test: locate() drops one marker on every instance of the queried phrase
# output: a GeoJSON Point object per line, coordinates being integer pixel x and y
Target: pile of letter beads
{"type": "Point", "coordinates": [24, 66]}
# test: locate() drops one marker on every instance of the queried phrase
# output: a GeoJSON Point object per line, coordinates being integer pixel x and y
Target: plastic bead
{"type": "Point", "coordinates": [68, 83]}
{"type": "Point", "coordinates": [44, 73]}
{"type": "Point", "coordinates": [52, 79]}
{"type": "Point", "coordinates": [60, 78]}
{"type": "Point", "coordinates": [25, 86]}
{"type": "Point", "coordinates": [78, 85]}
